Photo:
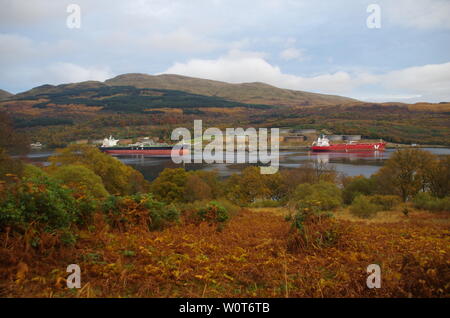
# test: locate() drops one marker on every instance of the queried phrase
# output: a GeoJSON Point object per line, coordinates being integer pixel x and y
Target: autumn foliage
{"type": "Point", "coordinates": [251, 257]}
{"type": "Point", "coordinates": [193, 235]}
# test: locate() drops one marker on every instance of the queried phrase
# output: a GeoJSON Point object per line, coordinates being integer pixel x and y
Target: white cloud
{"type": "Point", "coordinates": [429, 82]}
{"type": "Point", "coordinates": [30, 12]}
{"type": "Point", "coordinates": [13, 48]}
{"type": "Point", "coordinates": [18, 49]}
{"type": "Point", "coordinates": [61, 72]}
{"type": "Point", "coordinates": [179, 40]}
{"type": "Point", "coordinates": [146, 35]}
{"type": "Point", "coordinates": [54, 73]}
{"type": "Point", "coordinates": [238, 67]}
{"type": "Point", "coordinates": [152, 9]}
{"type": "Point", "coordinates": [293, 54]}
{"type": "Point", "coordinates": [423, 14]}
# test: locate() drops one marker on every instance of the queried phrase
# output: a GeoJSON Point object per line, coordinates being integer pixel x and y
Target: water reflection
{"type": "Point", "coordinates": [351, 163]}
{"type": "Point", "coordinates": [326, 157]}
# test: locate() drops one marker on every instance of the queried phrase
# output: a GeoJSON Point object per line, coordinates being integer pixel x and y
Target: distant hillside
{"type": "Point", "coordinates": [138, 104]}
{"type": "Point", "coordinates": [59, 89]}
{"type": "Point", "coordinates": [96, 96]}
{"type": "Point", "coordinates": [246, 93]}
{"type": "Point", "coordinates": [4, 94]}
{"type": "Point", "coordinates": [137, 93]}
{"type": "Point", "coordinates": [253, 93]}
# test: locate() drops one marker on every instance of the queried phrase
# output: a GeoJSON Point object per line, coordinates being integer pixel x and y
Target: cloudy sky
{"type": "Point", "coordinates": [321, 46]}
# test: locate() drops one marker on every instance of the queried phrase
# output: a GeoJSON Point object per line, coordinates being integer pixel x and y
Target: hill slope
{"type": "Point", "coordinates": [4, 94]}
{"type": "Point", "coordinates": [98, 96]}
{"type": "Point", "coordinates": [252, 93]}
{"type": "Point", "coordinates": [59, 89]}
{"type": "Point", "coordinates": [247, 93]}
{"type": "Point", "coordinates": [141, 92]}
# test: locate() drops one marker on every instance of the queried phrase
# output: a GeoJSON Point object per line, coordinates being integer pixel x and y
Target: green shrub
{"type": "Point", "coordinates": [232, 209]}
{"type": "Point", "coordinates": [363, 207]}
{"type": "Point", "coordinates": [298, 220]}
{"type": "Point", "coordinates": [39, 201]}
{"type": "Point", "coordinates": [31, 171]}
{"type": "Point", "coordinates": [312, 229]}
{"type": "Point", "coordinates": [117, 177]}
{"type": "Point", "coordinates": [86, 207]}
{"type": "Point", "coordinates": [140, 209]}
{"type": "Point", "coordinates": [247, 187]}
{"type": "Point", "coordinates": [213, 213]}
{"type": "Point", "coordinates": [387, 202]}
{"type": "Point", "coordinates": [425, 201]}
{"type": "Point", "coordinates": [169, 186]}
{"type": "Point", "coordinates": [190, 210]}
{"type": "Point", "coordinates": [81, 179]}
{"type": "Point", "coordinates": [357, 186]}
{"type": "Point", "coordinates": [324, 196]}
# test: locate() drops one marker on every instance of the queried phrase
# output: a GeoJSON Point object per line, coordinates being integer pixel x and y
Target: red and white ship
{"type": "Point", "coordinates": [323, 144]}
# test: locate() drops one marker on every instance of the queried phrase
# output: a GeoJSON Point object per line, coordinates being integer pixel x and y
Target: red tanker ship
{"type": "Point", "coordinates": [323, 144]}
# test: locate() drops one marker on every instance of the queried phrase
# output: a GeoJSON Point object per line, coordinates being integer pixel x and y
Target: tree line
{"type": "Point", "coordinates": [82, 182]}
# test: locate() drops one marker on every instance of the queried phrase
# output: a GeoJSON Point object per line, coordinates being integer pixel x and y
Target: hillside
{"type": "Point", "coordinates": [246, 93]}
{"type": "Point", "coordinates": [59, 89]}
{"type": "Point", "coordinates": [4, 94]}
{"type": "Point", "coordinates": [253, 93]}
{"type": "Point", "coordinates": [98, 96]}
{"type": "Point", "coordinates": [86, 110]}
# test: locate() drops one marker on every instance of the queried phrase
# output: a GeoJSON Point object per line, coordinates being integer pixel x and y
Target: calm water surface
{"type": "Point", "coordinates": [351, 164]}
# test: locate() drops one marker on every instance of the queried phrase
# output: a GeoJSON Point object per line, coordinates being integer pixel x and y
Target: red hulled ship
{"type": "Point", "coordinates": [323, 144]}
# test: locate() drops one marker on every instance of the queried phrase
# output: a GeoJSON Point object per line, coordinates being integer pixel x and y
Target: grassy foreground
{"type": "Point", "coordinates": [248, 258]}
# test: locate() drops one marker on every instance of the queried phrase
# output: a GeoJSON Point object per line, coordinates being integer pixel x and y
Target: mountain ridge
{"type": "Point", "coordinates": [254, 92]}
{"type": "Point", "coordinates": [250, 93]}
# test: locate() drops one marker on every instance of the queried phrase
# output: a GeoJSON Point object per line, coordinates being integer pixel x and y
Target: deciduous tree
{"type": "Point", "coordinates": [405, 173]}
{"type": "Point", "coordinates": [117, 177]}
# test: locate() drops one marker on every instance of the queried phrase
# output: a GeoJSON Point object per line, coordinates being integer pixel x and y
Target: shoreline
{"type": "Point", "coordinates": [297, 147]}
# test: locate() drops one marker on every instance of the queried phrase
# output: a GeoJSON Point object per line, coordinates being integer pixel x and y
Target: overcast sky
{"type": "Point", "coordinates": [321, 46]}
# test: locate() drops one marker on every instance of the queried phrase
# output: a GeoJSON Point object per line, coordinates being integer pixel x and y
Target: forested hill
{"type": "Point", "coordinates": [253, 93]}
{"type": "Point", "coordinates": [130, 99]}
{"type": "Point", "coordinates": [138, 92]}
{"type": "Point", "coordinates": [56, 115]}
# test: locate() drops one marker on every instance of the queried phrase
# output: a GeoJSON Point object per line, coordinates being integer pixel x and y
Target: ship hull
{"type": "Point", "coordinates": [350, 147]}
{"type": "Point", "coordinates": [153, 151]}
